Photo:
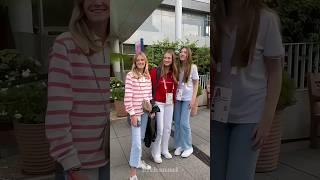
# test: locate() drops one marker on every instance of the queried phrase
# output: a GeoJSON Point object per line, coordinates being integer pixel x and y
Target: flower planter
{"type": "Point", "coordinates": [34, 149]}
{"type": "Point", "coordinates": [269, 155]}
{"type": "Point", "coordinates": [120, 108]}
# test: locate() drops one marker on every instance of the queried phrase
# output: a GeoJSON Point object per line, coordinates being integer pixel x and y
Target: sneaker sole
{"type": "Point", "coordinates": [186, 156]}
{"type": "Point", "coordinates": [166, 157]}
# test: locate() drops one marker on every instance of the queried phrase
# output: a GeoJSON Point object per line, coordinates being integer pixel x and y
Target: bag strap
{"type": "Point", "coordinates": [158, 71]}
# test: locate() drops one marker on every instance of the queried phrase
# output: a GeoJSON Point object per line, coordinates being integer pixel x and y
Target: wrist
{"type": "Point", "coordinates": [74, 169]}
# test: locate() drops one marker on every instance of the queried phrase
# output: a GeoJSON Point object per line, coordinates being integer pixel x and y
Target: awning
{"type": "Point", "coordinates": [126, 16]}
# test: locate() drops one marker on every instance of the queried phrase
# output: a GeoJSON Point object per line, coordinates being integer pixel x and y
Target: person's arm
{"type": "Point", "coordinates": [128, 98]}
{"type": "Point", "coordinates": [274, 75]}
{"type": "Point", "coordinates": [60, 100]}
{"type": "Point", "coordinates": [273, 58]}
{"type": "Point", "coordinates": [195, 82]}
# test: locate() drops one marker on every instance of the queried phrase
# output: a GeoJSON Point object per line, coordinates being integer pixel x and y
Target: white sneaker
{"type": "Point", "coordinates": [178, 151]}
{"type": "Point", "coordinates": [133, 177]}
{"type": "Point", "coordinates": [187, 153]}
{"type": "Point", "coordinates": [157, 160]}
{"type": "Point", "coordinates": [144, 166]}
{"type": "Point", "coordinates": [167, 155]}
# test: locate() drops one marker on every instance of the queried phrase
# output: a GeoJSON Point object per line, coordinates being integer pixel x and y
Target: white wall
{"type": "Point", "coordinates": [150, 38]}
{"type": "Point", "coordinates": [296, 119]}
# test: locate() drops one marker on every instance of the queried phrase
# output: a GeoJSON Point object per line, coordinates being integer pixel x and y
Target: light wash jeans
{"type": "Point", "coordinates": [182, 133]}
{"type": "Point", "coordinates": [164, 122]}
{"type": "Point", "coordinates": [137, 136]}
{"type": "Point", "coordinates": [102, 173]}
{"type": "Point", "coordinates": [233, 156]}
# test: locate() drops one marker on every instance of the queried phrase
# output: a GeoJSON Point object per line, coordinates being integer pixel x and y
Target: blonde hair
{"type": "Point", "coordinates": [247, 31]}
{"type": "Point", "coordinates": [173, 66]}
{"type": "Point", "coordinates": [187, 65]}
{"type": "Point", "coordinates": [80, 31]}
{"type": "Point", "coordinates": [134, 68]}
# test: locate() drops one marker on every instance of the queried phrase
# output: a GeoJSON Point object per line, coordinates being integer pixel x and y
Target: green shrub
{"type": "Point", "coordinates": [287, 95]}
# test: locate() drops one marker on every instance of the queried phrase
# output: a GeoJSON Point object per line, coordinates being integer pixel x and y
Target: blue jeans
{"type": "Point", "coordinates": [233, 156]}
{"type": "Point", "coordinates": [104, 173]}
{"type": "Point", "coordinates": [182, 132]}
{"type": "Point", "coordinates": [137, 136]}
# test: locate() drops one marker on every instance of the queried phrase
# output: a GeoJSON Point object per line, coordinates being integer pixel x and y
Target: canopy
{"type": "Point", "coordinates": [126, 16]}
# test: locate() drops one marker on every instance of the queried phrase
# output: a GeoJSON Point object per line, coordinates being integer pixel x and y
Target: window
{"type": "Point", "coordinates": [163, 21]}
{"type": "Point", "coordinates": [207, 26]}
{"type": "Point", "coordinates": [193, 25]}
{"type": "Point", "coordinates": [204, 1]}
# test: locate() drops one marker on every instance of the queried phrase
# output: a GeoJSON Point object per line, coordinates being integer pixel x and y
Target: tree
{"type": "Point", "coordinates": [300, 20]}
{"type": "Point", "coordinates": [200, 55]}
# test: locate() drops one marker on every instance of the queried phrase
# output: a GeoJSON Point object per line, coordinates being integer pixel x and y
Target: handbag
{"type": "Point", "coordinates": [146, 106]}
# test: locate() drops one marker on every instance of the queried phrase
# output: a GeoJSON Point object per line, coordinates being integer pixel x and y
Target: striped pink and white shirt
{"type": "Point", "coordinates": [78, 109]}
{"type": "Point", "coordinates": [136, 90]}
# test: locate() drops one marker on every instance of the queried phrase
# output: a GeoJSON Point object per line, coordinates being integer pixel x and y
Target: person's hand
{"type": "Point", "coordinates": [152, 115]}
{"type": "Point", "coordinates": [134, 120]}
{"type": "Point", "coordinates": [192, 103]}
{"type": "Point", "coordinates": [260, 133]}
{"type": "Point", "coordinates": [78, 175]}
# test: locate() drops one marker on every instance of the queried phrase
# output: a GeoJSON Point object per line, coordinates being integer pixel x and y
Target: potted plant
{"type": "Point", "coordinates": [14, 68]}
{"type": "Point", "coordinates": [23, 104]}
{"type": "Point", "coordinates": [269, 155]}
{"type": "Point", "coordinates": [194, 110]}
{"type": "Point", "coordinates": [117, 95]}
{"type": "Point", "coordinates": [29, 127]}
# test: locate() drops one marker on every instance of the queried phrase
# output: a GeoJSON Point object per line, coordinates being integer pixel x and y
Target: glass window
{"type": "Point", "coordinates": [193, 25]}
{"type": "Point", "coordinates": [168, 25]}
{"type": "Point", "coordinates": [163, 21]}
{"type": "Point", "coordinates": [205, 1]}
{"type": "Point", "coordinates": [207, 26]}
{"type": "Point", "coordinates": [50, 15]}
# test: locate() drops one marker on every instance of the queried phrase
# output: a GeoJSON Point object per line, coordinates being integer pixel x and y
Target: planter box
{"type": "Point", "coordinates": [120, 108]}
{"type": "Point", "coordinates": [34, 149]}
{"type": "Point", "coordinates": [269, 155]}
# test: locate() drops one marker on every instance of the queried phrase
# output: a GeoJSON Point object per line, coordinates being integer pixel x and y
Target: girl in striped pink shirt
{"type": "Point", "coordinates": [77, 116]}
{"type": "Point", "coordinates": [137, 89]}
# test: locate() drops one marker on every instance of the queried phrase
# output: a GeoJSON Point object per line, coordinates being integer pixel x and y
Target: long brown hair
{"type": "Point", "coordinates": [173, 67]}
{"type": "Point", "coordinates": [80, 31]}
{"type": "Point", "coordinates": [247, 31]}
{"type": "Point", "coordinates": [187, 65]}
{"type": "Point", "coordinates": [134, 68]}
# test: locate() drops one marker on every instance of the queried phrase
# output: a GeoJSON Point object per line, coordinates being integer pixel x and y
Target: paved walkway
{"type": "Point", "coordinates": [194, 167]}
{"type": "Point", "coordinates": [297, 161]}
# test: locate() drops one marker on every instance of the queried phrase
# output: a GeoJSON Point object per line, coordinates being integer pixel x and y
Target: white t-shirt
{"type": "Point", "coordinates": [249, 85]}
{"type": "Point", "coordinates": [187, 88]}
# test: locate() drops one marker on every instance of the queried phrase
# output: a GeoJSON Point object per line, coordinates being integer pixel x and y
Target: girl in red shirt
{"type": "Point", "coordinates": [165, 87]}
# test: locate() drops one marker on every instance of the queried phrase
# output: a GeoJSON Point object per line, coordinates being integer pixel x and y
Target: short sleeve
{"type": "Point", "coordinates": [273, 41]}
{"type": "Point", "coordinates": [194, 73]}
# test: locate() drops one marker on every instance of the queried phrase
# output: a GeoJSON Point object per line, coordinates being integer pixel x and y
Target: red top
{"type": "Point", "coordinates": [161, 91]}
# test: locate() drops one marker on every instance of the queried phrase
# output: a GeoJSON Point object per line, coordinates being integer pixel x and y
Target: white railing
{"type": "Point", "coordinates": [203, 80]}
{"type": "Point", "coordinates": [301, 59]}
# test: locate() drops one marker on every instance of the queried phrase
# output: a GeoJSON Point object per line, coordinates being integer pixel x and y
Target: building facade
{"type": "Point", "coordinates": [160, 25]}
